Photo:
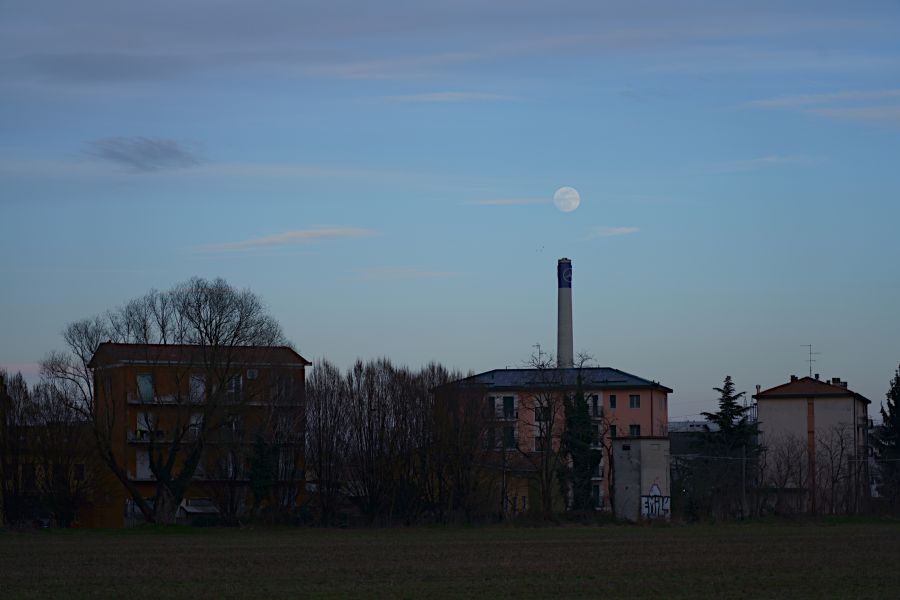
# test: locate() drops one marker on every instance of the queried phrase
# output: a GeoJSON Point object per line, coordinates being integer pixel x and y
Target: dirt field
{"type": "Point", "coordinates": [836, 560]}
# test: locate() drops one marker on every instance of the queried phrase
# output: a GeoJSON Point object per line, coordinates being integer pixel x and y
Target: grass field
{"type": "Point", "coordinates": [835, 560]}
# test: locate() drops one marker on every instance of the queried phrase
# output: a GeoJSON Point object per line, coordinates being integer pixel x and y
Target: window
{"type": "Point", "coordinates": [198, 389]}
{"type": "Point", "coordinates": [491, 407]}
{"type": "Point", "coordinates": [509, 436]}
{"type": "Point", "coordinates": [612, 431]}
{"type": "Point", "coordinates": [595, 406]}
{"type": "Point", "coordinates": [509, 407]}
{"type": "Point", "coordinates": [595, 436]}
{"type": "Point", "coordinates": [612, 400]}
{"type": "Point", "coordinates": [634, 430]}
{"type": "Point", "coordinates": [195, 426]}
{"type": "Point", "coordinates": [634, 401]}
{"type": "Point", "coordinates": [284, 389]}
{"type": "Point", "coordinates": [596, 497]}
{"type": "Point", "coordinates": [145, 387]}
{"type": "Point", "coordinates": [233, 388]}
{"type": "Point", "coordinates": [142, 465]}
{"type": "Point", "coordinates": [541, 414]}
{"type": "Point", "coordinates": [490, 438]}
{"type": "Point", "coordinates": [145, 425]}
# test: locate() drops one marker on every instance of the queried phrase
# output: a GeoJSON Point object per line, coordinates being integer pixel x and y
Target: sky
{"type": "Point", "coordinates": [382, 174]}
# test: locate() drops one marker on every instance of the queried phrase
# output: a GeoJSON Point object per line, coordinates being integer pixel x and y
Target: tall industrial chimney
{"type": "Point", "coordinates": [564, 357]}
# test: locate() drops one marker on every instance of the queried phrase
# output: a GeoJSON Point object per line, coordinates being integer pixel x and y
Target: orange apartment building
{"type": "Point", "coordinates": [525, 404]}
{"type": "Point", "coordinates": [168, 404]}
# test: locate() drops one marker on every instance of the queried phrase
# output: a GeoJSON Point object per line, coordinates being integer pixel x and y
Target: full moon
{"type": "Point", "coordinates": [566, 199]}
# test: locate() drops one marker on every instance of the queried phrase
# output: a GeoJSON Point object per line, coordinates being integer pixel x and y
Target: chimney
{"type": "Point", "coordinates": [817, 376]}
{"type": "Point", "coordinates": [564, 345]}
{"type": "Point", "coordinates": [793, 378]}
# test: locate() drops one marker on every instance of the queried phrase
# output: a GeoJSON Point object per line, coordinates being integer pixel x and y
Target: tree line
{"type": "Point", "coordinates": [726, 473]}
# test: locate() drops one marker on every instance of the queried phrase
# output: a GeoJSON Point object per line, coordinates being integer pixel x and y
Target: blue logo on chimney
{"type": "Point", "coordinates": [564, 273]}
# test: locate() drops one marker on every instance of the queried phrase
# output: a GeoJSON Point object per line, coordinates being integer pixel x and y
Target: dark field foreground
{"type": "Point", "coordinates": [846, 560]}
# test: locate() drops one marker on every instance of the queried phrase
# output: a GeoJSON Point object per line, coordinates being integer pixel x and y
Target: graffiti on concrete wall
{"type": "Point", "coordinates": [654, 505]}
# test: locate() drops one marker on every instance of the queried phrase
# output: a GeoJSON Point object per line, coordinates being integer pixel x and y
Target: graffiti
{"type": "Point", "coordinates": [654, 505]}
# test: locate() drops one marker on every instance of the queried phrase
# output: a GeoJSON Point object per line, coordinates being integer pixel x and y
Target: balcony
{"type": "Point", "coordinates": [143, 436]}
{"type": "Point", "coordinates": [134, 398]}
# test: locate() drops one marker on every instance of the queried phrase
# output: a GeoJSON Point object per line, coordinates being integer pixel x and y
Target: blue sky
{"type": "Point", "coordinates": [381, 174]}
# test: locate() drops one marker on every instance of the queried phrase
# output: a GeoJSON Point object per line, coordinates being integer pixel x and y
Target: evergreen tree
{"type": "Point", "coordinates": [887, 444]}
{"type": "Point", "coordinates": [728, 451]}
{"type": "Point", "coordinates": [583, 459]}
{"type": "Point", "coordinates": [262, 471]}
{"type": "Point", "coordinates": [732, 420]}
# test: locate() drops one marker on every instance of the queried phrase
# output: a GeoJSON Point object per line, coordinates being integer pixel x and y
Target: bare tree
{"type": "Point", "coordinates": [544, 418]}
{"type": "Point", "coordinates": [327, 436]}
{"type": "Point", "coordinates": [835, 466]}
{"type": "Point", "coordinates": [783, 470]}
{"type": "Point", "coordinates": [214, 318]}
{"type": "Point", "coordinates": [17, 475]}
{"type": "Point", "coordinates": [64, 453]}
{"type": "Point", "coordinates": [459, 453]}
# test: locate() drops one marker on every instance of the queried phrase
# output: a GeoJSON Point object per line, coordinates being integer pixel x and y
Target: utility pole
{"type": "Point", "coordinates": [744, 469]}
{"type": "Point", "coordinates": [743, 479]}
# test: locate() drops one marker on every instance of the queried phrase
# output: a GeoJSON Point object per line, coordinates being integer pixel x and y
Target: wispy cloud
{"type": "Point", "coordinates": [762, 162]}
{"type": "Point", "coordinates": [297, 236]}
{"type": "Point", "coordinates": [510, 201]}
{"type": "Point", "coordinates": [613, 231]}
{"type": "Point", "coordinates": [450, 97]}
{"type": "Point", "coordinates": [390, 68]}
{"type": "Point", "coordinates": [824, 98]}
{"type": "Point", "coordinates": [881, 114]}
{"type": "Point", "coordinates": [144, 154]}
{"type": "Point", "coordinates": [79, 168]}
{"type": "Point", "coordinates": [389, 273]}
{"type": "Point", "coordinates": [881, 106]}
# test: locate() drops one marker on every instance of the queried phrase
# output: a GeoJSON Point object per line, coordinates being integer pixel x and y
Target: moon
{"type": "Point", "coordinates": [566, 199]}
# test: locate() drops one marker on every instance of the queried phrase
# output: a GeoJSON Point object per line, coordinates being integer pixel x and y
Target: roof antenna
{"type": "Point", "coordinates": [810, 360]}
{"type": "Point", "coordinates": [539, 353]}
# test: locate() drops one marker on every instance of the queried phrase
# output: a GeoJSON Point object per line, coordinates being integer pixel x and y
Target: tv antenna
{"type": "Point", "coordinates": [810, 360]}
{"type": "Point", "coordinates": [540, 353]}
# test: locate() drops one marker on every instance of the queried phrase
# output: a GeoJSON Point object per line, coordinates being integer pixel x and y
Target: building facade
{"type": "Point", "coordinates": [220, 414]}
{"type": "Point", "coordinates": [525, 421]}
{"type": "Point", "coordinates": [815, 436]}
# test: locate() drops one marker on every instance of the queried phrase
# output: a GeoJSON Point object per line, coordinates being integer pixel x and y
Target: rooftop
{"type": "Point", "coordinates": [109, 354]}
{"type": "Point", "coordinates": [592, 377]}
{"type": "Point", "coordinates": [808, 387]}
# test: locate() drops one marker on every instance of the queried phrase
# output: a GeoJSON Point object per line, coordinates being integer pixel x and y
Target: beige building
{"type": "Point", "coordinates": [815, 435]}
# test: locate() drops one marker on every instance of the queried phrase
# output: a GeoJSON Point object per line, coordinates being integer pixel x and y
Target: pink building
{"type": "Point", "coordinates": [526, 412]}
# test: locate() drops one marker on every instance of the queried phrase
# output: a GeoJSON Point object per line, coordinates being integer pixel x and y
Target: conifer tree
{"type": "Point", "coordinates": [728, 452]}
{"type": "Point", "coordinates": [732, 420]}
{"type": "Point", "coordinates": [887, 444]}
{"type": "Point", "coordinates": [576, 441]}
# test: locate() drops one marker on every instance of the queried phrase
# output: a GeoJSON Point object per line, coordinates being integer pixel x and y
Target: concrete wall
{"type": "Point", "coordinates": [641, 478]}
